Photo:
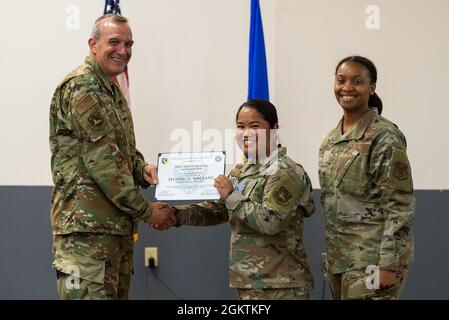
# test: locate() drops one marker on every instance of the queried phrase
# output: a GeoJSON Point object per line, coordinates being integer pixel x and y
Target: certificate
{"type": "Point", "coordinates": [189, 176]}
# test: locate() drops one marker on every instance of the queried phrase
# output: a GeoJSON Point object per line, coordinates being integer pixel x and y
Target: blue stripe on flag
{"type": "Point", "coordinates": [258, 76]}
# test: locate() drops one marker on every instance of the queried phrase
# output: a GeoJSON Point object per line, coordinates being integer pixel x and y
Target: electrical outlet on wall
{"type": "Point", "coordinates": [151, 253]}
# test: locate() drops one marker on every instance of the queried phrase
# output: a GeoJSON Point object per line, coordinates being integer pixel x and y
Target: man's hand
{"type": "Point", "coordinates": [163, 216]}
{"type": "Point", "coordinates": [387, 279]}
{"type": "Point", "coordinates": [224, 186]}
{"type": "Point", "coordinates": [150, 174]}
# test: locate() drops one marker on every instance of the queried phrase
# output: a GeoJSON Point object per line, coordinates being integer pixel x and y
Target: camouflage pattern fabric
{"type": "Point", "coordinates": [96, 167]}
{"type": "Point", "coordinates": [273, 294]}
{"type": "Point", "coordinates": [93, 266]}
{"type": "Point", "coordinates": [352, 285]}
{"type": "Point", "coordinates": [367, 196]}
{"type": "Point", "coordinates": [97, 171]}
{"type": "Point", "coordinates": [266, 212]}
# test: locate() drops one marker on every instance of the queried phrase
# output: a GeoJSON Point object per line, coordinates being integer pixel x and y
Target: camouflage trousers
{"type": "Point", "coordinates": [273, 294]}
{"type": "Point", "coordinates": [93, 266]}
{"type": "Point", "coordinates": [352, 285]}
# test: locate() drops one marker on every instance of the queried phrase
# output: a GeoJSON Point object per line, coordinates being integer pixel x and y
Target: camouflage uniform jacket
{"type": "Point", "coordinates": [266, 212]}
{"type": "Point", "coordinates": [95, 165]}
{"type": "Point", "coordinates": [367, 196]}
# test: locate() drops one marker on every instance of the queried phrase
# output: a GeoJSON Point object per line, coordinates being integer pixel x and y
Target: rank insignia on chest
{"type": "Point", "coordinates": [238, 186]}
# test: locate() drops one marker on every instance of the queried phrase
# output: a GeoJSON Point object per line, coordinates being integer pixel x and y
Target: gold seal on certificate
{"type": "Point", "coordinates": [189, 175]}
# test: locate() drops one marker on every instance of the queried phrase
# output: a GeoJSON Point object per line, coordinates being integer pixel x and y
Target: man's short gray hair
{"type": "Point", "coordinates": [112, 18]}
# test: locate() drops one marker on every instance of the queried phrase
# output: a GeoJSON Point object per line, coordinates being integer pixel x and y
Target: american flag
{"type": "Point", "coordinates": [122, 80]}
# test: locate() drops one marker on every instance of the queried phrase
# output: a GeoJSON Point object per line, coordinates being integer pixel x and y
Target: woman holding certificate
{"type": "Point", "coordinates": [265, 199]}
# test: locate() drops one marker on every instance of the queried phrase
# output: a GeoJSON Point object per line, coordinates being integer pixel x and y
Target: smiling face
{"type": "Point", "coordinates": [253, 133]}
{"type": "Point", "coordinates": [112, 49]}
{"type": "Point", "coordinates": [353, 86]}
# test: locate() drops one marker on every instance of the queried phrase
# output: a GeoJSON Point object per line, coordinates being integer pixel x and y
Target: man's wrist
{"type": "Point", "coordinates": [144, 183]}
{"type": "Point", "coordinates": [146, 216]}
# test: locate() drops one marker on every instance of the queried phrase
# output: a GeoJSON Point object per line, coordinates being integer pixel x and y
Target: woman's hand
{"type": "Point", "coordinates": [224, 186]}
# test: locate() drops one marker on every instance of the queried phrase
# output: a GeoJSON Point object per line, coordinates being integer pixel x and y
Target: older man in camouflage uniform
{"type": "Point", "coordinates": [97, 171]}
{"type": "Point", "coordinates": [368, 201]}
{"type": "Point", "coordinates": [266, 209]}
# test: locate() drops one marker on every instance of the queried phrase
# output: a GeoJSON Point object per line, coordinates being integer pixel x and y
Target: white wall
{"type": "Point", "coordinates": [190, 63]}
{"type": "Point", "coordinates": [411, 52]}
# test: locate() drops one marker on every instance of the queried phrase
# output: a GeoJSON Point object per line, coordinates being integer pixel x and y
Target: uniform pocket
{"type": "Point", "coordinates": [83, 267]}
{"type": "Point", "coordinates": [351, 176]}
{"type": "Point", "coordinates": [255, 189]}
{"type": "Point", "coordinates": [249, 187]}
{"type": "Point", "coordinates": [346, 162]}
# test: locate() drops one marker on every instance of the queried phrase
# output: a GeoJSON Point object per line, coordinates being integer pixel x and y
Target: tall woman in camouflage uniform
{"type": "Point", "coordinates": [366, 192]}
{"type": "Point", "coordinates": [265, 200]}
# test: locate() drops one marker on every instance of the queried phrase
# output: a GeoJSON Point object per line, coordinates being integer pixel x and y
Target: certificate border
{"type": "Point", "coordinates": [161, 153]}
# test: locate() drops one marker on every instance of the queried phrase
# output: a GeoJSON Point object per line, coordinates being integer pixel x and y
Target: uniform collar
{"type": "Point", "coordinates": [100, 73]}
{"type": "Point", "coordinates": [109, 84]}
{"type": "Point", "coordinates": [274, 155]}
{"type": "Point", "coordinates": [266, 164]}
{"type": "Point", "coordinates": [357, 131]}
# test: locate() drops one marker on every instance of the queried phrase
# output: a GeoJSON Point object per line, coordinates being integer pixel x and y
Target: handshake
{"type": "Point", "coordinates": [162, 217]}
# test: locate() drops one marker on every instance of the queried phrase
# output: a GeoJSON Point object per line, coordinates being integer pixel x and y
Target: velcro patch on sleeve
{"type": "Point", "coordinates": [400, 176]}
{"type": "Point", "coordinates": [85, 104]}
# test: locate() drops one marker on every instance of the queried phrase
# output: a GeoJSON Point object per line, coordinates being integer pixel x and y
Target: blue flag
{"type": "Point", "coordinates": [257, 76]}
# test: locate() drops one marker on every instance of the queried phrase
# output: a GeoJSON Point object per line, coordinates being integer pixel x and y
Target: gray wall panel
{"type": "Point", "coordinates": [193, 261]}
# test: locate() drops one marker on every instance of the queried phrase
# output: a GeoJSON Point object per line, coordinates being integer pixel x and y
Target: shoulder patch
{"type": "Point", "coordinates": [400, 170]}
{"type": "Point", "coordinates": [282, 196]}
{"type": "Point", "coordinates": [400, 175]}
{"type": "Point", "coordinates": [85, 104]}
